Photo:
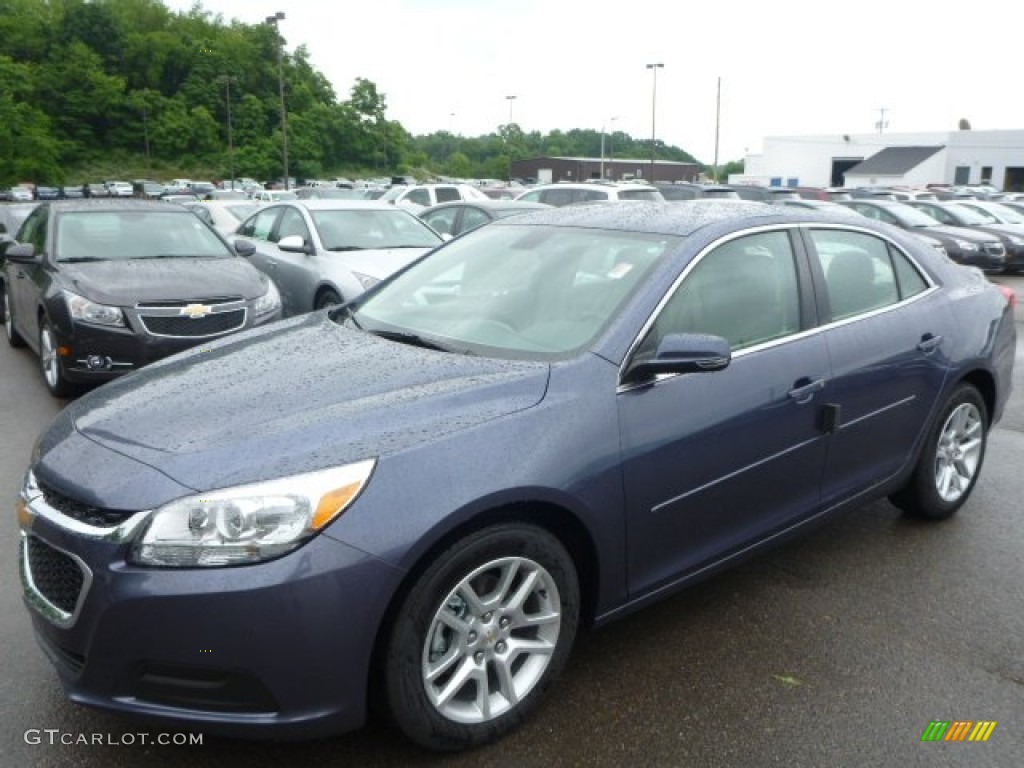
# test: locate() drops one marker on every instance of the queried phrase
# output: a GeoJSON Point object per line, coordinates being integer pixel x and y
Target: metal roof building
{"type": "Point", "coordinates": [911, 159]}
{"type": "Point", "coordinates": [553, 169]}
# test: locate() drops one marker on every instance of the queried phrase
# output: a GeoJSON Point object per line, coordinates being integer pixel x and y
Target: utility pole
{"type": "Point", "coordinates": [273, 21]}
{"type": "Point", "coordinates": [718, 118]}
{"type": "Point", "coordinates": [654, 102]}
{"type": "Point", "coordinates": [228, 80]}
{"type": "Point", "coordinates": [881, 125]}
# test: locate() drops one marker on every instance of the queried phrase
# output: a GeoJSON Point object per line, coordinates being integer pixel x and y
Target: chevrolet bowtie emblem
{"type": "Point", "coordinates": [195, 311]}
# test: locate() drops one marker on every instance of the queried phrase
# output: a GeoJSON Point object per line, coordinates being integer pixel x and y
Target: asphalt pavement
{"type": "Point", "coordinates": [838, 649]}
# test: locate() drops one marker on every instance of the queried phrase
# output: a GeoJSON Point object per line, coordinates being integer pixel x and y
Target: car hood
{"type": "Point", "coordinates": [378, 263]}
{"type": "Point", "coordinates": [304, 396]}
{"type": "Point", "coordinates": [125, 282]}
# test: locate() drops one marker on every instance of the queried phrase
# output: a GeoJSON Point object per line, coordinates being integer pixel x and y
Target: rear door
{"type": "Point", "coordinates": [886, 330]}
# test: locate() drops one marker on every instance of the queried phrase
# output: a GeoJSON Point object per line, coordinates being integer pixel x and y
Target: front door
{"type": "Point", "coordinates": [716, 461]}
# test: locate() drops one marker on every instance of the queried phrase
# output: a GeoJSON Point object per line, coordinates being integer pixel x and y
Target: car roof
{"type": "Point", "coordinates": [515, 205]}
{"type": "Point", "coordinates": [335, 204]}
{"type": "Point", "coordinates": [111, 204]}
{"type": "Point", "coordinates": [679, 218]}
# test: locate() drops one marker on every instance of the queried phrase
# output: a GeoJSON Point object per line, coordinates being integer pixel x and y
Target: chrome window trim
{"type": "Point", "coordinates": [802, 226]}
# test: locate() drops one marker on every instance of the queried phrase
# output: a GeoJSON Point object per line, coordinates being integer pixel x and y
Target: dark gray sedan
{"type": "Point", "coordinates": [462, 216]}
{"type": "Point", "coordinates": [553, 420]}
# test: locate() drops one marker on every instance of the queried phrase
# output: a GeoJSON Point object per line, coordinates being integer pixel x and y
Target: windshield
{"type": "Point", "coordinates": [362, 229]}
{"type": "Point", "coordinates": [516, 291]}
{"type": "Point", "coordinates": [242, 211]}
{"type": "Point", "coordinates": [972, 217]}
{"type": "Point", "coordinates": [1003, 213]}
{"type": "Point", "coordinates": [650, 195]}
{"type": "Point", "coordinates": [135, 234]}
{"type": "Point", "coordinates": [909, 216]}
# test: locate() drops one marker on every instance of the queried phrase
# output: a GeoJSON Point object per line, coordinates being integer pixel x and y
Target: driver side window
{"type": "Point", "coordinates": [744, 290]}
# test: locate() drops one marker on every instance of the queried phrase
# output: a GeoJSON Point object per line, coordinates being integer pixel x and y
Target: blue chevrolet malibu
{"type": "Point", "coordinates": [418, 497]}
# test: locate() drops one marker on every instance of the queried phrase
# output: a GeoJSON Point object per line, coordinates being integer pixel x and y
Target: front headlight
{"type": "Point", "coordinates": [85, 311]}
{"type": "Point", "coordinates": [248, 523]}
{"type": "Point", "coordinates": [367, 281]}
{"type": "Point", "coordinates": [966, 246]}
{"type": "Point", "coordinates": [269, 301]}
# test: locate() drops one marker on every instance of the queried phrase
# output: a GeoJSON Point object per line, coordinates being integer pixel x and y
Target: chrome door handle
{"type": "Point", "coordinates": [804, 389]}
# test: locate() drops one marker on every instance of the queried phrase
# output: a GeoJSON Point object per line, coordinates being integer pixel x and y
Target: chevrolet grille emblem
{"type": "Point", "coordinates": [195, 311]}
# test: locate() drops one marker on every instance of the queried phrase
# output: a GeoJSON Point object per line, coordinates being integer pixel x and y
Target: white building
{"type": "Point", "coordinates": [912, 159]}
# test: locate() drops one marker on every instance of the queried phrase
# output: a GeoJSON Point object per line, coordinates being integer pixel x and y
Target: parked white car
{"type": "Point", "coordinates": [325, 252]}
{"type": "Point", "coordinates": [119, 188]}
{"type": "Point", "coordinates": [420, 196]}
{"type": "Point", "coordinates": [273, 195]}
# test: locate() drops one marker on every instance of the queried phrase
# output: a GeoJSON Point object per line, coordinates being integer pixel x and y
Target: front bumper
{"type": "Point", "coordinates": [281, 649]}
{"type": "Point", "coordinates": [94, 353]}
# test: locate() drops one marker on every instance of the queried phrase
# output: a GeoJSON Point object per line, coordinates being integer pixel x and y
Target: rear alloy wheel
{"type": "Point", "coordinates": [13, 337]}
{"type": "Point", "coordinates": [328, 299]}
{"type": "Point", "coordinates": [481, 636]}
{"type": "Point", "coordinates": [951, 459]}
{"type": "Point", "coordinates": [49, 362]}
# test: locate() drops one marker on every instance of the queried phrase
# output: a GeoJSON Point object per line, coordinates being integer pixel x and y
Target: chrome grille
{"type": "Point", "coordinates": [83, 513]}
{"type": "Point", "coordinates": [187, 327]}
{"type": "Point", "coordinates": [996, 249]}
{"type": "Point", "coordinates": [55, 575]}
{"type": "Point", "coordinates": [192, 319]}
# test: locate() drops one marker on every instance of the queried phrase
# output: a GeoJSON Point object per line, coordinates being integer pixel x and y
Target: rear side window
{"type": "Point", "coordinates": [447, 194]}
{"type": "Point", "coordinates": [863, 272]}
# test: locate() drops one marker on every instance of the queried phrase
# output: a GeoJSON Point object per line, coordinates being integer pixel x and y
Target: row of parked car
{"type": "Point", "coordinates": [307, 254]}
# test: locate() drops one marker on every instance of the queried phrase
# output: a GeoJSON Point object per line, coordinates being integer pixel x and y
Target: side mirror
{"type": "Point", "coordinates": [21, 253]}
{"type": "Point", "coordinates": [294, 244]}
{"type": "Point", "coordinates": [244, 247]}
{"type": "Point", "coordinates": [683, 353]}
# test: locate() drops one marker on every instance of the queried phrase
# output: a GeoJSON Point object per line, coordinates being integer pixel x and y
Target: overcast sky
{"type": "Point", "coordinates": [786, 67]}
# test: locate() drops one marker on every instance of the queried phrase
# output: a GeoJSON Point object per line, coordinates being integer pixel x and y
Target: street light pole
{"type": "Point", "coordinates": [228, 80]}
{"type": "Point", "coordinates": [654, 101]}
{"type": "Point", "coordinates": [611, 148]}
{"type": "Point", "coordinates": [508, 144]}
{"type": "Point", "coordinates": [277, 17]}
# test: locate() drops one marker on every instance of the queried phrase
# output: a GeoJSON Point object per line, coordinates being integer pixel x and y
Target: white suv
{"type": "Point", "coordinates": [420, 196]}
{"type": "Point", "coordinates": [567, 194]}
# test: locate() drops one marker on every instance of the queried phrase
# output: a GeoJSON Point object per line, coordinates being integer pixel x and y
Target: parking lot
{"type": "Point", "coordinates": [834, 650]}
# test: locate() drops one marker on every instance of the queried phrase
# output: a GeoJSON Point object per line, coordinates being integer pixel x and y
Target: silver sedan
{"type": "Point", "coordinates": [326, 252]}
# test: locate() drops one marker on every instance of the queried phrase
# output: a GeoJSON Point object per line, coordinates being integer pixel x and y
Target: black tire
{"type": "Point", "coordinates": [50, 364]}
{"type": "Point", "coordinates": [328, 298]}
{"type": "Point", "coordinates": [497, 563]}
{"type": "Point", "coordinates": [13, 337]}
{"type": "Point", "coordinates": [950, 460]}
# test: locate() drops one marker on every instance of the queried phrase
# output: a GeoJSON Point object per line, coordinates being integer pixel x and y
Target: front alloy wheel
{"type": "Point", "coordinates": [481, 636]}
{"type": "Point", "coordinates": [49, 362]}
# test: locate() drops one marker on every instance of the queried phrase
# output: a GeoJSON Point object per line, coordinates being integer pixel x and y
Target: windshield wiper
{"type": "Point", "coordinates": [415, 340]}
{"type": "Point", "coordinates": [337, 248]}
{"type": "Point", "coordinates": [80, 259]}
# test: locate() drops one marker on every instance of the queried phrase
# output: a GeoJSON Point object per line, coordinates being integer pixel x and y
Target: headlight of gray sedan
{"type": "Point", "coordinates": [269, 301]}
{"type": "Point", "coordinates": [966, 246]}
{"type": "Point", "coordinates": [248, 523]}
{"type": "Point", "coordinates": [85, 311]}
